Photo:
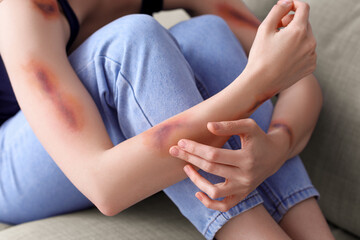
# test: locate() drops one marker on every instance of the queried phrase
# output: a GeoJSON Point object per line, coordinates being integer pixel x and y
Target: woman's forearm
{"type": "Point", "coordinates": [296, 113]}
{"type": "Point", "coordinates": [142, 165]}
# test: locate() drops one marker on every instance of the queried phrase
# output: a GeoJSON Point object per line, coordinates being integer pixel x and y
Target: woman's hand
{"type": "Point", "coordinates": [261, 156]}
{"type": "Point", "coordinates": [283, 56]}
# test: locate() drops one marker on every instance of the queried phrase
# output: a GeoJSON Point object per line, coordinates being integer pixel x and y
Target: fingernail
{"type": "Point", "coordinates": [182, 143]}
{"type": "Point", "coordinates": [285, 2]}
{"type": "Point", "coordinates": [174, 151]}
{"type": "Point", "coordinates": [198, 195]}
{"type": "Point", "coordinates": [216, 126]}
{"type": "Point", "coordinates": [187, 169]}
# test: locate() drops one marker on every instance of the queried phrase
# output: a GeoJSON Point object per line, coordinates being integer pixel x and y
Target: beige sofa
{"type": "Point", "coordinates": [332, 156]}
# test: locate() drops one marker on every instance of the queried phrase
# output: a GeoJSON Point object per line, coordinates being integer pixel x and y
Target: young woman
{"type": "Point", "coordinates": [110, 114]}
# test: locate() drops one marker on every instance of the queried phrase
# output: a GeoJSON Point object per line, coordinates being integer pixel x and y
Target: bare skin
{"type": "Point", "coordinates": [90, 145]}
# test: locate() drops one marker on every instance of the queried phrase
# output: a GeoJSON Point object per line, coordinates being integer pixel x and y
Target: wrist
{"type": "Point", "coordinates": [256, 91]}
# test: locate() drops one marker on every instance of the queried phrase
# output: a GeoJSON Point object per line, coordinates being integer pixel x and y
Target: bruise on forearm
{"type": "Point", "coordinates": [283, 125]}
{"type": "Point", "coordinates": [48, 8]}
{"type": "Point", "coordinates": [241, 18]}
{"type": "Point", "coordinates": [165, 134]}
{"type": "Point", "coordinates": [67, 107]}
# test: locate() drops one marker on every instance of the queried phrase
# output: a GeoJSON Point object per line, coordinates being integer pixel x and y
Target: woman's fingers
{"type": "Point", "coordinates": [223, 205]}
{"type": "Point", "coordinates": [277, 13]}
{"type": "Point", "coordinates": [229, 128]}
{"type": "Point", "coordinates": [301, 16]}
{"type": "Point", "coordinates": [213, 190]}
{"type": "Point", "coordinates": [286, 20]}
{"type": "Point", "coordinates": [208, 166]}
{"type": "Point", "coordinates": [205, 153]}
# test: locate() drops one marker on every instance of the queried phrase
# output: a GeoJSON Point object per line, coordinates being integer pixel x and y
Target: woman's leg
{"type": "Point", "coordinates": [255, 224]}
{"type": "Point", "coordinates": [31, 185]}
{"type": "Point", "coordinates": [204, 42]}
{"type": "Point", "coordinates": [306, 221]}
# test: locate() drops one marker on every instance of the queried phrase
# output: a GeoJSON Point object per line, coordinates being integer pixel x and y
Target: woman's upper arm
{"type": "Point", "coordinates": [60, 111]}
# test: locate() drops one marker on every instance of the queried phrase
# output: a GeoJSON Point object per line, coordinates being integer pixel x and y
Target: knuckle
{"type": "Point", "coordinates": [306, 6]}
{"type": "Point", "coordinates": [209, 167]}
{"type": "Point", "coordinates": [300, 31]}
{"type": "Point", "coordinates": [246, 181]}
{"type": "Point", "coordinates": [214, 193]}
{"type": "Point", "coordinates": [212, 155]}
{"type": "Point", "coordinates": [250, 123]}
{"type": "Point", "coordinates": [312, 45]}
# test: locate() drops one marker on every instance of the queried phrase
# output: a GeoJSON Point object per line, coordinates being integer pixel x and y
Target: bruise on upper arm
{"type": "Point", "coordinates": [67, 107]}
{"type": "Point", "coordinates": [48, 8]}
{"type": "Point", "coordinates": [237, 17]}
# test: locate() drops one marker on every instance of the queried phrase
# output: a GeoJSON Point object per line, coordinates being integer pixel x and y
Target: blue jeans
{"type": "Point", "coordinates": [140, 74]}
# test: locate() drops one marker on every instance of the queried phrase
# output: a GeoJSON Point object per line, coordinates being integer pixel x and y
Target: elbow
{"type": "Point", "coordinates": [108, 208]}
{"type": "Point", "coordinates": [105, 201]}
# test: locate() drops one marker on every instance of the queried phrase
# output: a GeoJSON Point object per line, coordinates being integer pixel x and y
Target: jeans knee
{"type": "Point", "coordinates": [129, 34]}
{"type": "Point", "coordinates": [211, 23]}
{"type": "Point", "coordinates": [135, 29]}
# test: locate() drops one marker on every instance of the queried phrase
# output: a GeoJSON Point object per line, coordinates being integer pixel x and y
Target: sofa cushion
{"type": "Point", "coordinates": [154, 218]}
{"type": "Point", "coordinates": [3, 226]}
{"type": "Point", "coordinates": [340, 234]}
{"type": "Point", "coordinates": [333, 154]}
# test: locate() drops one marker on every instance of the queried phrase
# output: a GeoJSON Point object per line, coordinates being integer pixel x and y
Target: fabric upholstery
{"type": "Point", "coordinates": [3, 226]}
{"type": "Point", "coordinates": [333, 154]}
{"type": "Point", "coordinates": [153, 219]}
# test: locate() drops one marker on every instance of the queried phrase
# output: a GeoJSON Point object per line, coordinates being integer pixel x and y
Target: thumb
{"type": "Point", "coordinates": [277, 13]}
{"type": "Point", "coordinates": [229, 128]}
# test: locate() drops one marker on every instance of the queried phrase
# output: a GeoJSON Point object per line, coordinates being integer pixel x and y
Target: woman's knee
{"type": "Point", "coordinates": [202, 27]}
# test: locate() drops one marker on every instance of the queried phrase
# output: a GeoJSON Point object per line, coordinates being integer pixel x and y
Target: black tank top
{"type": "Point", "coordinates": [8, 104]}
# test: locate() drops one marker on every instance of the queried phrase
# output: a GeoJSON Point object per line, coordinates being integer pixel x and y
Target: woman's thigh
{"type": "Point", "coordinates": [31, 184]}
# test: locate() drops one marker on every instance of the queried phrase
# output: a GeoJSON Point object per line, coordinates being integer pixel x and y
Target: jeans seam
{"type": "Point", "coordinates": [292, 194]}
{"type": "Point", "coordinates": [226, 217]}
{"type": "Point", "coordinates": [267, 189]}
{"type": "Point", "coordinates": [128, 82]}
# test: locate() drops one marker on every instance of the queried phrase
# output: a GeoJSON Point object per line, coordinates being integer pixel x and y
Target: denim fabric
{"type": "Point", "coordinates": [139, 74]}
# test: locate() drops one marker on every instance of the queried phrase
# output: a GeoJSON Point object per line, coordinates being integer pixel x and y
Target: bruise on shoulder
{"type": "Point", "coordinates": [241, 18]}
{"type": "Point", "coordinates": [283, 125]}
{"type": "Point", "coordinates": [67, 108]}
{"type": "Point", "coordinates": [48, 8]}
{"type": "Point", "coordinates": [162, 136]}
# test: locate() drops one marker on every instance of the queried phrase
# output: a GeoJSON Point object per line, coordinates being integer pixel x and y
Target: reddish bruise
{"type": "Point", "coordinates": [44, 81]}
{"type": "Point", "coordinates": [48, 8]}
{"type": "Point", "coordinates": [286, 127]}
{"type": "Point", "coordinates": [167, 133]}
{"type": "Point", "coordinates": [228, 13]}
{"type": "Point", "coordinates": [66, 106]}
